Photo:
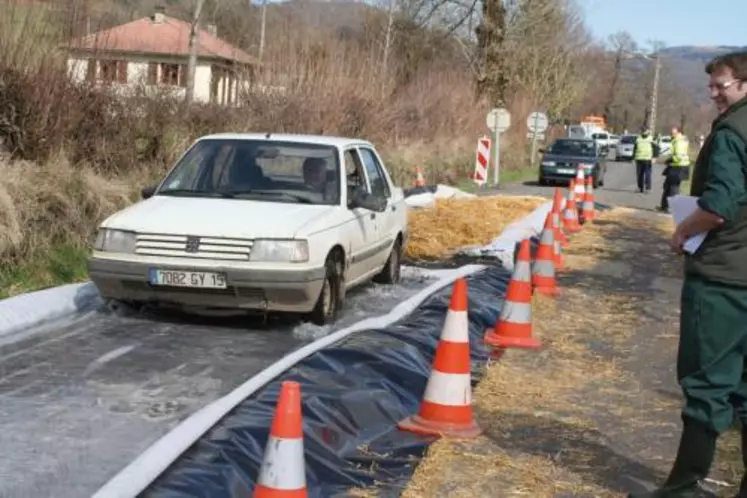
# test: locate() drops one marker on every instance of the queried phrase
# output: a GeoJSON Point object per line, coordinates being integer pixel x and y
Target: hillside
{"type": "Point", "coordinates": [686, 64]}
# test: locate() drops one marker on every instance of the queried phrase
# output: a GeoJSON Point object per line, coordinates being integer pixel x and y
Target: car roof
{"type": "Point", "coordinates": [333, 141]}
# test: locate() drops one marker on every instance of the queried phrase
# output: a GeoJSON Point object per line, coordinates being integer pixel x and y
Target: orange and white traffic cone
{"type": "Point", "coordinates": [446, 408]}
{"type": "Point", "coordinates": [543, 266]}
{"type": "Point", "coordinates": [558, 259]}
{"type": "Point", "coordinates": [587, 208]}
{"type": "Point", "coordinates": [557, 208]}
{"type": "Point", "coordinates": [570, 213]}
{"type": "Point", "coordinates": [579, 185]}
{"type": "Point", "coordinates": [514, 326]}
{"type": "Point", "coordinates": [283, 471]}
{"type": "Point", "coordinates": [419, 179]}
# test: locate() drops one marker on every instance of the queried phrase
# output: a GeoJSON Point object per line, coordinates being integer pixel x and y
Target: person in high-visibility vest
{"type": "Point", "coordinates": [678, 168]}
{"type": "Point", "coordinates": [643, 154]}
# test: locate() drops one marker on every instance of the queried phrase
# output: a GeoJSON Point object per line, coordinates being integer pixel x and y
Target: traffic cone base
{"type": "Point", "coordinates": [513, 329]}
{"type": "Point", "coordinates": [446, 408]}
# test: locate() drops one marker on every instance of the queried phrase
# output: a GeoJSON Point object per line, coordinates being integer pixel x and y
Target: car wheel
{"type": "Point", "coordinates": [391, 272]}
{"type": "Point", "coordinates": [330, 299]}
{"type": "Point", "coordinates": [542, 181]}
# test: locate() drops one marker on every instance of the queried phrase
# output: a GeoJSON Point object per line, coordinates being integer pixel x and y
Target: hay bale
{"type": "Point", "coordinates": [439, 232]}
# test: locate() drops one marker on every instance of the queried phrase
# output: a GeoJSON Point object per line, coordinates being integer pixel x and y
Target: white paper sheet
{"type": "Point", "coordinates": [683, 206]}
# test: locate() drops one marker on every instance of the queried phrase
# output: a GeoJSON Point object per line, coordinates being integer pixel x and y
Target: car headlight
{"type": "Point", "coordinates": [277, 251]}
{"type": "Point", "coordinates": [548, 163]}
{"type": "Point", "coordinates": [115, 241]}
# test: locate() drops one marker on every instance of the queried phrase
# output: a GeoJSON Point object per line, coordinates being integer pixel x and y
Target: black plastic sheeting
{"type": "Point", "coordinates": [353, 395]}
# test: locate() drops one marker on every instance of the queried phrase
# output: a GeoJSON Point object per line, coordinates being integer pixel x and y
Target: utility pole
{"type": "Point", "coordinates": [262, 30]}
{"type": "Point", "coordinates": [655, 90]}
{"type": "Point", "coordinates": [193, 45]}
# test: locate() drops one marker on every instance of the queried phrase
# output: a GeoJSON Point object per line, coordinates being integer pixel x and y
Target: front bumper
{"type": "Point", "coordinates": [294, 291]}
{"type": "Point", "coordinates": [552, 174]}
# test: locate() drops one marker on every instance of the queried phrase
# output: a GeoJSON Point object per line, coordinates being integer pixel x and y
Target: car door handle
{"type": "Point", "coordinates": [373, 216]}
{"type": "Point", "coordinates": [394, 208]}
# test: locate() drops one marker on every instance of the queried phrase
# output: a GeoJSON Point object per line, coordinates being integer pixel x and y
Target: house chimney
{"type": "Point", "coordinates": [212, 29]}
{"type": "Point", "coordinates": [159, 13]}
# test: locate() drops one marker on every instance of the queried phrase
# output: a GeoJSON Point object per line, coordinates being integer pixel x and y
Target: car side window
{"type": "Point", "coordinates": [379, 185]}
{"type": "Point", "coordinates": [354, 173]}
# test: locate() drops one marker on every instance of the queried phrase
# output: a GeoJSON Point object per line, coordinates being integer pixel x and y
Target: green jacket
{"type": "Point", "coordinates": [720, 182]}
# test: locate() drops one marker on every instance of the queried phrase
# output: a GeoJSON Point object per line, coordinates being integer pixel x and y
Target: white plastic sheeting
{"type": "Point", "coordinates": [28, 310]}
{"type": "Point", "coordinates": [503, 246]}
{"type": "Point", "coordinates": [428, 199]}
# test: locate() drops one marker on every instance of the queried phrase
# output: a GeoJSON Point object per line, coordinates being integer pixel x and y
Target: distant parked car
{"type": "Point", "coordinates": [626, 148]}
{"type": "Point", "coordinates": [664, 145]}
{"type": "Point", "coordinates": [260, 222]}
{"type": "Point", "coordinates": [602, 139]}
{"type": "Point", "coordinates": [561, 160]}
{"type": "Point", "coordinates": [614, 141]}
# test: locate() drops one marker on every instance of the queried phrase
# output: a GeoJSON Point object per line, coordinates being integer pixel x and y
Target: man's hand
{"type": "Point", "coordinates": [677, 242]}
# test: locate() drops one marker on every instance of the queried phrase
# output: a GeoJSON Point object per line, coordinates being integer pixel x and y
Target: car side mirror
{"type": "Point", "coordinates": [148, 192]}
{"type": "Point", "coordinates": [363, 199]}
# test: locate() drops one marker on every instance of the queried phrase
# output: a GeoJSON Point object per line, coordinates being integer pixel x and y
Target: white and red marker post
{"type": "Point", "coordinates": [480, 176]}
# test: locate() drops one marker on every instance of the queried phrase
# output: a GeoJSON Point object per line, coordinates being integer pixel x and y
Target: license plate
{"type": "Point", "coordinates": [566, 171]}
{"type": "Point", "coordinates": [182, 278]}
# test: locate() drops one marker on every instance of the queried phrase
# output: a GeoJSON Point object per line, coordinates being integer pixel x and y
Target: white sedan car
{"type": "Point", "coordinates": [257, 222]}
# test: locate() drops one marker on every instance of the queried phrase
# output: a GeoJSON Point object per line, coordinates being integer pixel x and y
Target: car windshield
{"type": "Point", "coordinates": [628, 139]}
{"type": "Point", "coordinates": [573, 148]}
{"type": "Point", "coordinates": [272, 171]}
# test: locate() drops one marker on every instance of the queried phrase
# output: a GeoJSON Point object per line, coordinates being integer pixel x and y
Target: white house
{"type": "Point", "coordinates": [154, 51]}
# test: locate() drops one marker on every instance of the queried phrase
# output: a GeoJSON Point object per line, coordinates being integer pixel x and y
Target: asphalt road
{"type": "Point", "coordinates": [80, 400]}
{"type": "Point", "coordinates": [620, 187]}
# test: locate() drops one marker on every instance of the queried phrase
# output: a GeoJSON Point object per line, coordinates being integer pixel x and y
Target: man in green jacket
{"type": "Point", "coordinates": [712, 355]}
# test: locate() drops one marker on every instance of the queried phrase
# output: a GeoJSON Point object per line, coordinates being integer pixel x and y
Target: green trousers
{"type": "Point", "coordinates": [711, 365]}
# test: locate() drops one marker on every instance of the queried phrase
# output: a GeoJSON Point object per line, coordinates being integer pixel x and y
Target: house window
{"type": "Point", "coordinates": [173, 74]}
{"type": "Point", "coordinates": [113, 71]}
{"type": "Point", "coordinates": [91, 70]}
{"type": "Point", "coordinates": [152, 73]}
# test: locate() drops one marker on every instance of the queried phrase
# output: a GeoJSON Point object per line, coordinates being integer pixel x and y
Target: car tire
{"type": "Point", "coordinates": [390, 274]}
{"type": "Point", "coordinates": [541, 181]}
{"type": "Point", "coordinates": [330, 298]}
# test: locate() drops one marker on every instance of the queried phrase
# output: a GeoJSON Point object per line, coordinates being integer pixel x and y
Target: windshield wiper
{"type": "Point", "coordinates": [195, 193]}
{"type": "Point", "coordinates": [273, 193]}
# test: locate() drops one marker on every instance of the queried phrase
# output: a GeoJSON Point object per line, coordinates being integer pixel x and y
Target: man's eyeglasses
{"type": "Point", "coordinates": [723, 85]}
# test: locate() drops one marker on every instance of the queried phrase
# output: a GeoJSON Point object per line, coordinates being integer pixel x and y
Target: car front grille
{"type": "Point", "coordinates": [188, 246]}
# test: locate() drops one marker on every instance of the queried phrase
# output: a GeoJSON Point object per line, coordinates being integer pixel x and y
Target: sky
{"type": "Point", "coordinates": [673, 22]}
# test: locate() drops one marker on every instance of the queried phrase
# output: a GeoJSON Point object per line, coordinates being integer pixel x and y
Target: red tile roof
{"type": "Point", "coordinates": [169, 37]}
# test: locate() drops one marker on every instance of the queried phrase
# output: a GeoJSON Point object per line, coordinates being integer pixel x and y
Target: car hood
{"type": "Point", "coordinates": [207, 217]}
{"type": "Point", "coordinates": [559, 158]}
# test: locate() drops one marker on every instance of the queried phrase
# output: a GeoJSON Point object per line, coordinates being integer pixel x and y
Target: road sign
{"type": "Point", "coordinates": [538, 122]}
{"type": "Point", "coordinates": [539, 136]}
{"type": "Point", "coordinates": [498, 120]}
